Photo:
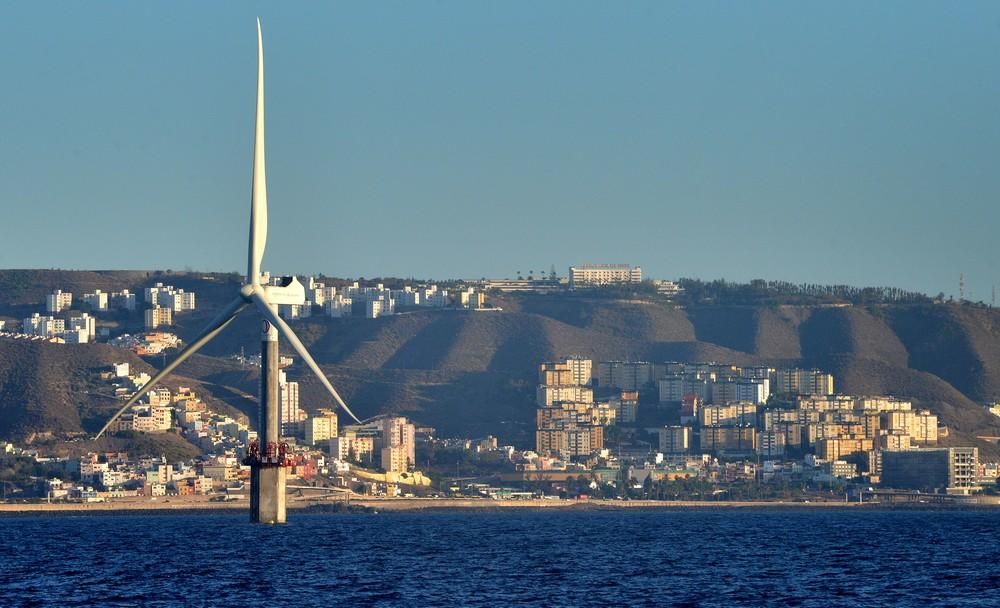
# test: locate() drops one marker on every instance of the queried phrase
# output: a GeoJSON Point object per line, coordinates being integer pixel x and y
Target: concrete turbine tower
{"type": "Point", "coordinates": [267, 457]}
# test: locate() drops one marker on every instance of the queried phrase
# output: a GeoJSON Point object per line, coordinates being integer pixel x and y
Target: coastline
{"type": "Point", "coordinates": [174, 506]}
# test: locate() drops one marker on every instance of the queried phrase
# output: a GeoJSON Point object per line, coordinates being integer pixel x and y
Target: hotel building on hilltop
{"type": "Point", "coordinates": [590, 275]}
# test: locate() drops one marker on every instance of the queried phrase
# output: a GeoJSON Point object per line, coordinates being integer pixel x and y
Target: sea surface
{"type": "Point", "coordinates": [693, 557]}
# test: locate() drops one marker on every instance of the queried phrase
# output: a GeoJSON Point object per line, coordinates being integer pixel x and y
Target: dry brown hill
{"type": "Point", "coordinates": [473, 372]}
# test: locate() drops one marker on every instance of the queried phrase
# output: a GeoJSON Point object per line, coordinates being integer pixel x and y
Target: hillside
{"type": "Point", "coordinates": [472, 373]}
{"type": "Point", "coordinates": [56, 388]}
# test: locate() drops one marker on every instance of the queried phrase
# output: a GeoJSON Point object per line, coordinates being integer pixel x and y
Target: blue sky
{"type": "Point", "coordinates": [850, 143]}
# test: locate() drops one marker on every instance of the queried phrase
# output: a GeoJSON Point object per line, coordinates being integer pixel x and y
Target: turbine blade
{"type": "Point", "coordinates": [258, 188]}
{"type": "Point", "coordinates": [286, 331]}
{"type": "Point", "coordinates": [217, 325]}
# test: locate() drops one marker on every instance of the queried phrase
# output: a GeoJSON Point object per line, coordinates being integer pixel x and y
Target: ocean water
{"type": "Point", "coordinates": [695, 557]}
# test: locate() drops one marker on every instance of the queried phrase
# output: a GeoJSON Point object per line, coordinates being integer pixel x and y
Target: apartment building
{"type": "Point", "coordinates": [570, 371]}
{"type": "Point", "coordinates": [548, 395]}
{"type": "Point", "coordinates": [728, 441]}
{"type": "Point", "coordinates": [625, 375]}
{"type": "Point", "coordinates": [45, 326]}
{"type": "Point", "coordinates": [97, 301]}
{"type": "Point", "coordinates": [167, 296]}
{"type": "Point", "coordinates": [675, 440]}
{"type": "Point", "coordinates": [58, 301]}
{"type": "Point", "coordinates": [731, 414]}
{"type": "Point", "coordinates": [626, 406]}
{"type": "Point", "coordinates": [803, 382]}
{"type": "Point", "coordinates": [158, 316]}
{"type": "Point", "coordinates": [935, 469]}
{"type": "Point", "coordinates": [84, 325]}
{"type": "Point", "coordinates": [291, 417]}
{"type": "Point", "coordinates": [124, 300]}
{"type": "Point", "coordinates": [321, 427]}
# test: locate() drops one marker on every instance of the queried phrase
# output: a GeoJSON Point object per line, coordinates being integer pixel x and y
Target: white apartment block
{"type": "Point", "coordinates": [157, 316]}
{"type": "Point", "coordinates": [48, 327]}
{"type": "Point", "coordinates": [160, 396]}
{"type": "Point", "coordinates": [75, 336]}
{"type": "Point", "coordinates": [582, 369]}
{"type": "Point", "coordinates": [676, 387]}
{"type": "Point", "coordinates": [754, 390]}
{"type": "Point", "coordinates": [398, 433]}
{"type": "Point", "coordinates": [321, 428]}
{"type": "Point", "coordinates": [626, 407]}
{"type": "Point", "coordinates": [339, 306]}
{"type": "Point", "coordinates": [58, 301]}
{"type": "Point", "coordinates": [804, 382]}
{"type": "Point", "coordinates": [123, 299]}
{"type": "Point", "coordinates": [603, 274]}
{"type": "Point", "coordinates": [432, 298]}
{"type": "Point", "coordinates": [166, 296]}
{"type": "Point", "coordinates": [97, 301]}
{"type": "Point", "coordinates": [675, 439]}
{"type": "Point", "coordinates": [343, 446]}
{"type": "Point", "coordinates": [291, 417]}
{"type": "Point", "coordinates": [406, 296]}
{"type": "Point", "coordinates": [920, 426]}
{"type": "Point", "coordinates": [883, 404]}
{"type": "Point", "coordinates": [626, 375]}
{"type": "Point", "coordinates": [393, 459]}
{"type": "Point", "coordinates": [295, 311]}
{"type": "Point", "coordinates": [471, 298]}
{"type": "Point", "coordinates": [547, 395]}
{"type": "Point", "coordinates": [84, 323]}
{"type": "Point", "coordinates": [377, 308]}
{"type": "Point", "coordinates": [733, 414]}
{"type": "Point", "coordinates": [315, 291]}
{"type": "Point", "coordinates": [183, 300]}
{"type": "Point", "coordinates": [146, 419]}
{"type": "Point", "coordinates": [318, 293]}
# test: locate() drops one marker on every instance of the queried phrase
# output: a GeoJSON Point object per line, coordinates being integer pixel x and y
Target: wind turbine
{"type": "Point", "coordinates": [267, 461]}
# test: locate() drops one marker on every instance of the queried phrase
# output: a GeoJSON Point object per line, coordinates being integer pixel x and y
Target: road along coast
{"type": "Point", "coordinates": [202, 504]}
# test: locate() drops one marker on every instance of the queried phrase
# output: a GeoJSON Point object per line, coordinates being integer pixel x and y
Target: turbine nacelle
{"type": "Point", "coordinates": [288, 291]}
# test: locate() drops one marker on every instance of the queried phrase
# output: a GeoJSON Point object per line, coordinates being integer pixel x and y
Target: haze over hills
{"type": "Point", "coordinates": [473, 373]}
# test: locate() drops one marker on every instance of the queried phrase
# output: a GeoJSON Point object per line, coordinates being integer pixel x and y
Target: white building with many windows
{"type": "Point", "coordinates": [590, 275]}
{"type": "Point", "coordinates": [45, 326]}
{"type": "Point", "coordinates": [292, 418]}
{"type": "Point", "coordinates": [158, 315]}
{"type": "Point", "coordinates": [84, 323]}
{"type": "Point", "coordinates": [295, 311]}
{"type": "Point", "coordinates": [58, 301]}
{"type": "Point", "coordinates": [339, 306]}
{"type": "Point", "coordinates": [123, 299]}
{"type": "Point", "coordinates": [97, 301]}
{"type": "Point", "coordinates": [166, 296]}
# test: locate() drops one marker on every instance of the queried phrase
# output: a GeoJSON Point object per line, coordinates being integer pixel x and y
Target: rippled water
{"type": "Point", "coordinates": [649, 558]}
